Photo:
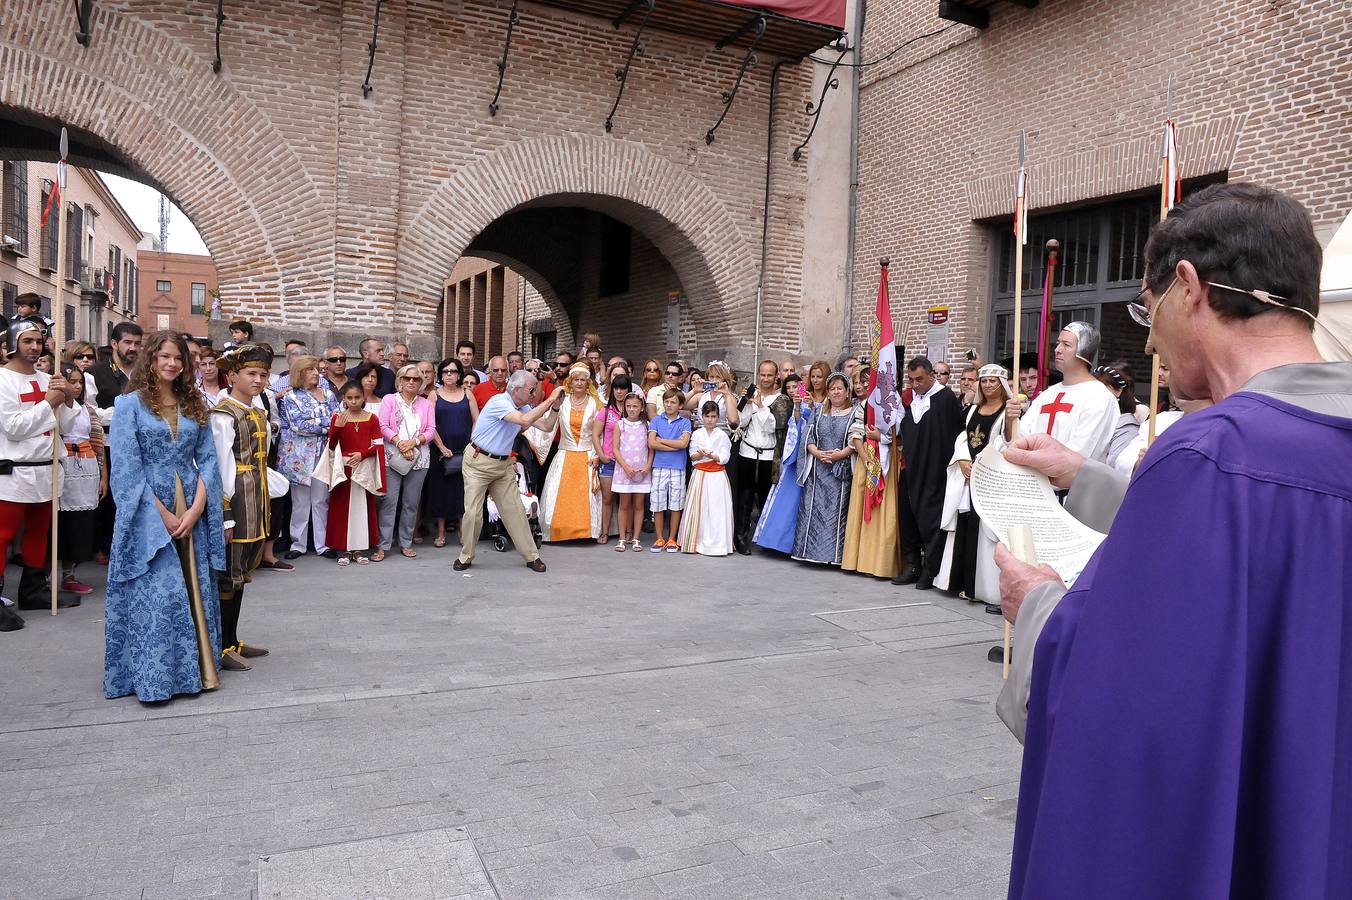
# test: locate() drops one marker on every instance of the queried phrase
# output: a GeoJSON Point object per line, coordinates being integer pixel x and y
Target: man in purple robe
{"type": "Point", "coordinates": [1189, 700]}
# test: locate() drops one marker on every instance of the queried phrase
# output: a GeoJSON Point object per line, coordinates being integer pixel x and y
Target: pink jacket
{"type": "Point", "coordinates": [389, 417]}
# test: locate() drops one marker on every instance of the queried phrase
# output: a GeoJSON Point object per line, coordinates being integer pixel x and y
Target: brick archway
{"type": "Point", "coordinates": [243, 186]}
{"type": "Point", "coordinates": [715, 261]}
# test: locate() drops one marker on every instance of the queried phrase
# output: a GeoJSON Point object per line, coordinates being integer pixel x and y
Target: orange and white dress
{"type": "Point", "coordinates": [570, 505]}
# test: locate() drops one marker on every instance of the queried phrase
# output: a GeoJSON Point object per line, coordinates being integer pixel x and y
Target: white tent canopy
{"type": "Point", "coordinates": [1335, 293]}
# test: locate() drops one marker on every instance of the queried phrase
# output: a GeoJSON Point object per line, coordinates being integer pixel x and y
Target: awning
{"type": "Point", "coordinates": [793, 28]}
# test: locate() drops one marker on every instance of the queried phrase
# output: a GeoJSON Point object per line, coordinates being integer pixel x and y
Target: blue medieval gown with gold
{"type": "Point", "coordinates": [162, 621]}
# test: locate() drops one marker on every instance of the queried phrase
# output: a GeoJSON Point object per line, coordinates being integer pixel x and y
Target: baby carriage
{"type": "Point", "coordinates": [501, 541]}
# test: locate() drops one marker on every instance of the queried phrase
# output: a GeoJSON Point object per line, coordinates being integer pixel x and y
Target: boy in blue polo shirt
{"type": "Point", "coordinates": [669, 436]}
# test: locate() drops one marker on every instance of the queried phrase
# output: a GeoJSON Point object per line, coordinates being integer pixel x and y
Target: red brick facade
{"type": "Point", "coordinates": [1262, 92]}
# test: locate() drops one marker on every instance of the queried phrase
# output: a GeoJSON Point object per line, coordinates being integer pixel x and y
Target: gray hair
{"type": "Point", "coordinates": [521, 379]}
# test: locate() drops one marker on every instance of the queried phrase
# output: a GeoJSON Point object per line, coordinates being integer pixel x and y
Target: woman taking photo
{"type": "Point", "coordinates": [968, 564]}
{"type": "Point", "coordinates": [408, 426]}
{"type": "Point", "coordinates": [722, 385]}
{"type": "Point", "coordinates": [455, 412]}
{"type": "Point", "coordinates": [825, 474]}
{"type": "Point", "coordinates": [817, 374]}
{"type": "Point", "coordinates": [871, 546]}
{"type": "Point", "coordinates": [570, 505]}
{"type": "Point", "coordinates": [162, 620]}
{"type": "Point", "coordinates": [306, 411]}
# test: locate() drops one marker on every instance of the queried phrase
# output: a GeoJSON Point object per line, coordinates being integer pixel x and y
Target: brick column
{"type": "Point", "coordinates": [369, 145]}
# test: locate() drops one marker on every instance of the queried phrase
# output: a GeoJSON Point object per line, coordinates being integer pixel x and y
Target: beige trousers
{"type": "Point", "coordinates": [485, 476]}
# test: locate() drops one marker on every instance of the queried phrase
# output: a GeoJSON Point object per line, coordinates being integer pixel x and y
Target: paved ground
{"type": "Point", "coordinates": [622, 726]}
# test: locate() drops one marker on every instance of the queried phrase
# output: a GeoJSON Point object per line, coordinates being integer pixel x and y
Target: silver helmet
{"type": "Point", "coordinates": [15, 327]}
{"type": "Point", "coordinates": [1086, 341]}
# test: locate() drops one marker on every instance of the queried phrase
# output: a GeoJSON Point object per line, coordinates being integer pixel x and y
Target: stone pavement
{"type": "Point", "coordinates": [620, 727]}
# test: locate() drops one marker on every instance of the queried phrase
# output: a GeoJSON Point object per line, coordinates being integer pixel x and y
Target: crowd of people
{"type": "Point", "coordinates": [188, 469]}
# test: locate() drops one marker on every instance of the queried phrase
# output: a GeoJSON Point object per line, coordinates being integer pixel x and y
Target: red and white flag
{"type": "Point", "coordinates": [884, 402]}
{"type": "Point", "coordinates": [1171, 177]}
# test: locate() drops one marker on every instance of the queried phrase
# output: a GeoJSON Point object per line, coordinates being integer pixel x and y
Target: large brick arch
{"type": "Point", "coordinates": [220, 159]}
{"type": "Point", "coordinates": [715, 261]}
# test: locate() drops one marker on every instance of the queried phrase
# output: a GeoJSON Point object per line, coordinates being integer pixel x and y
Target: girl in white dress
{"type": "Point", "coordinates": [706, 527]}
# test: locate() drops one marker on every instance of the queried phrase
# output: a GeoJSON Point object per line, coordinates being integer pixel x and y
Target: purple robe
{"type": "Point", "coordinates": [1190, 719]}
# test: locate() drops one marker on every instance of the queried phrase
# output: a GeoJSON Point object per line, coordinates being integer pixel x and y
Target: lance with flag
{"type": "Point", "coordinates": [1171, 190]}
{"type": "Point", "coordinates": [884, 402]}
{"type": "Point", "coordinates": [58, 320]}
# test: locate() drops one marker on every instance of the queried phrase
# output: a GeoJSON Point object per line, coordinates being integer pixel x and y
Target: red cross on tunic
{"type": "Point", "coordinates": [36, 395]}
{"type": "Point", "coordinates": [1056, 406]}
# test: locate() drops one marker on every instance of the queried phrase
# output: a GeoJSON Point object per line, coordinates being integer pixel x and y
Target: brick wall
{"type": "Point", "coordinates": [328, 212]}
{"type": "Point", "coordinates": [1261, 93]}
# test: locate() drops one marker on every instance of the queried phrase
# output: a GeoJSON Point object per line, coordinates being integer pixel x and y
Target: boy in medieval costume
{"type": "Point", "coordinates": [241, 433]}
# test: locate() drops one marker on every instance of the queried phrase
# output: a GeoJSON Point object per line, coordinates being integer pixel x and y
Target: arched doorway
{"type": "Point", "coordinates": [616, 239]}
{"type": "Point", "coordinates": [558, 268]}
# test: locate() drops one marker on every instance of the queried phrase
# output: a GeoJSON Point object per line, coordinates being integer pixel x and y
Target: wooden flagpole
{"type": "Point", "coordinates": [58, 335]}
{"type": "Point", "coordinates": [1167, 151]}
{"type": "Point", "coordinates": [1020, 238]}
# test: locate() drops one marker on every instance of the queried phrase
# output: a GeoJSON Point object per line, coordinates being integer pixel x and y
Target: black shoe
{"type": "Point", "coordinates": [925, 584]}
{"type": "Point", "coordinates": [63, 601]}
{"type": "Point", "coordinates": [996, 654]}
{"type": "Point", "coordinates": [9, 619]}
{"type": "Point", "coordinates": [536, 565]}
{"type": "Point", "coordinates": [293, 554]}
{"type": "Point", "coordinates": [330, 554]}
{"type": "Point", "coordinates": [460, 565]}
{"type": "Point", "coordinates": [909, 575]}
{"type": "Point", "coordinates": [741, 547]}
{"type": "Point", "coordinates": [993, 609]}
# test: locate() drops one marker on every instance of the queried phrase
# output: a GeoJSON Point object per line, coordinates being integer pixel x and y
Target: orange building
{"type": "Point", "coordinates": [177, 291]}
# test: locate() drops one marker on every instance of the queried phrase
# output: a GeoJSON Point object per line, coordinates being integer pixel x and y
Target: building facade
{"type": "Point", "coordinates": [177, 291]}
{"type": "Point", "coordinates": [337, 206]}
{"type": "Point", "coordinates": [99, 283]}
{"type": "Point", "coordinates": [1261, 91]}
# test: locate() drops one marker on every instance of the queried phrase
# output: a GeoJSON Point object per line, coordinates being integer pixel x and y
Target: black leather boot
{"type": "Point", "coordinates": [35, 592]}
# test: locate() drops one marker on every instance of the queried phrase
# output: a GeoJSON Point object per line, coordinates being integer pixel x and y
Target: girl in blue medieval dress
{"type": "Point", "coordinates": [779, 516]}
{"type": "Point", "coordinates": [162, 622]}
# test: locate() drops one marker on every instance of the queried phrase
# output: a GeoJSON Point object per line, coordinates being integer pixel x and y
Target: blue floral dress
{"type": "Point", "coordinates": [305, 432]}
{"type": "Point", "coordinates": [162, 631]}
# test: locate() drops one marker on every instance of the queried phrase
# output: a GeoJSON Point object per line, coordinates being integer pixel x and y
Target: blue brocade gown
{"type": "Point", "coordinates": [162, 621]}
{"type": "Point", "coordinates": [779, 518]}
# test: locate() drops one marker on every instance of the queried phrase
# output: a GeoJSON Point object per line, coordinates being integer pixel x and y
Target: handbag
{"type": "Point", "coordinates": [451, 465]}
{"type": "Point", "coordinates": [396, 462]}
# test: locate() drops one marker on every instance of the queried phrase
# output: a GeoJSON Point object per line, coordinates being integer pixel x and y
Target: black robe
{"type": "Point", "coordinates": [927, 447]}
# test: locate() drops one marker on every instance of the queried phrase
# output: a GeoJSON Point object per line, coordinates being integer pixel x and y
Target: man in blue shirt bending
{"type": "Point", "coordinates": [489, 468]}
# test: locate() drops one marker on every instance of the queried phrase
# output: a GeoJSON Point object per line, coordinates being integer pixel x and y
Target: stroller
{"type": "Point", "coordinates": [501, 540]}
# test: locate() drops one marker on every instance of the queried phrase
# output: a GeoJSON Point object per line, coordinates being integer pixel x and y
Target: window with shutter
{"type": "Point", "coordinates": [19, 213]}
{"type": "Point", "coordinates": [74, 245]}
{"type": "Point", "coordinates": [50, 230]}
{"type": "Point", "coordinates": [70, 319]}
{"type": "Point", "coordinates": [9, 293]}
{"type": "Point", "coordinates": [14, 207]}
{"type": "Point", "coordinates": [115, 267]}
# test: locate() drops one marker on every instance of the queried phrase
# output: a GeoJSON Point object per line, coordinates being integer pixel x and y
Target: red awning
{"type": "Point", "coordinates": [788, 30]}
{"type": "Point", "coordinates": [824, 12]}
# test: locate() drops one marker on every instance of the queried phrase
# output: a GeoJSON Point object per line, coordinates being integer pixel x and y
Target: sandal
{"type": "Point", "coordinates": [378, 556]}
{"type": "Point", "coordinates": [344, 561]}
{"type": "Point", "coordinates": [362, 561]}
{"type": "Point", "coordinates": [603, 539]}
{"type": "Point", "coordinates": [619, 546]}
{"type": "Point", "coordinates": [439, 542]}
{"type": "Point", "coordinates": [635, 546]}
{"type": "Point", "coordinates": [408, 552]}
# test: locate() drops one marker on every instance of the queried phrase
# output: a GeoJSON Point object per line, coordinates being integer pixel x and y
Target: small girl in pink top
{"type": "Point", "coordinates": [634, 468]}
{"type": "Point", "coordinates": [603, 439]}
